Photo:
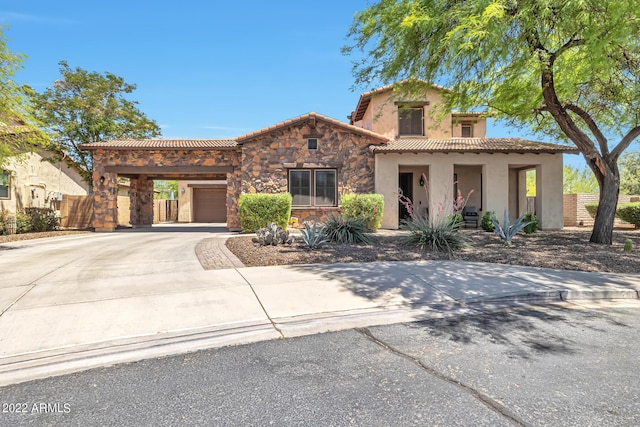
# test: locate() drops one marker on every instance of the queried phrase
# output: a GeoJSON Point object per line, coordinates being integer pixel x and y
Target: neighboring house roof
{"type": "Point", "coordinates": [310, 117]}
{"type": "Point", "coordinates": [365, 99]}
{"type": "Point", "coordinates": [162, 144]}
{"type": "Point", "coordinates": [472, 145]}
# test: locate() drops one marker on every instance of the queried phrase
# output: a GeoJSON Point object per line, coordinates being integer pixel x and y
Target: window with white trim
{"type": "Point", "coordinates": [313, 187]}
{"type": "Point", "coordinates": [5, 185]}
{"type": "Point", "coordinates": [411, 121]}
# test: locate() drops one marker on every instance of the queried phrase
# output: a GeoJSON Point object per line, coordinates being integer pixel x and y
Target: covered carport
{"type": "Point", "coordinates": [143, 161]}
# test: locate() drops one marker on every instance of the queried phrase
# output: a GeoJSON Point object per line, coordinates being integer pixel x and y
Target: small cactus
{"type": "Point", "coordinates": [272, 235]}
{"type": "Point", "coordinates": [628, 245]}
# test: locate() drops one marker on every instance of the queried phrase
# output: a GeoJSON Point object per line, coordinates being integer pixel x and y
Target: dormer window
{"type": "Point", "coordinates": [466, 130]}
{"type": "Point", "coordinates": [411, 121]}
{"type": "Point", "coordinates": [312, 143]}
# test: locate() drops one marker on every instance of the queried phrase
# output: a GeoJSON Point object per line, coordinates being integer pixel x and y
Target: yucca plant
{"type": "Point", "coordinates": [439, 236]}
{"type": "Point", "coordinates": [313, 236]}
{"type": "Point", "coordinates": [347, 230]}
{"type": "Point", "coordinates": [506, 231]}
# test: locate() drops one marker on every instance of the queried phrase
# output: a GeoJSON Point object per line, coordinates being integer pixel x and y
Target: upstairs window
{"type": "Point", "coordinates": [5, 185]}
{"type": "Point", "coordinates": [466, 131]}
{"type": "Point", "coordinates": [312, 143]}
{"type": "Point", "coordinates": [411, 121]}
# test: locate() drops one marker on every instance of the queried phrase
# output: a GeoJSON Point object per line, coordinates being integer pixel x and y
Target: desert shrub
{"type": "Point", "coordinates": [507, 231]}
{"type": "Point", "coordinates": [23, 223]}
{"type": "Point", "coordinates": [272, 235]}
{"type": "Point", "coordinates": [628, 245]}
{"type": "Point", "coordinates": [366, 206]}
{"type": "Point", "coordinates": [347, 230]}
{"type": "Point", "coordinates": [591, 208]}
{"type": "Point", "coordinates": [629, 212]}
{"type": "Point", "coordinates": [4, 218]}
{"type": "Point", "coordinates": [533, 221]}
{"type": "Point", "coordinates": [42, 219]}
{"type": "Point", "coordinates": [258, 210]}
{"type": "Point", "coordinates": [438, 236]}
{"type": "Point", "coordinates": [486, 222]}
{"type": "Point", "coordinates": [313, 236]}
{"type": "Point", "coordinates": [456, 219]}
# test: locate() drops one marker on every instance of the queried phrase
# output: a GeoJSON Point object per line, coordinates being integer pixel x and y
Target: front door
{"type": "Point", "coordinates": [405, 183]}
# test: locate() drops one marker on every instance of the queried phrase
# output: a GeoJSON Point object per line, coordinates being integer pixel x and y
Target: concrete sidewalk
{"type": "Point", "coordinates": [55, 327]}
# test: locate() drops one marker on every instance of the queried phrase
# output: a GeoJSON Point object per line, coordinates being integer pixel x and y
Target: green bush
{"type": "Point", "coordinates": [4, 216]}
{"type": "Point", "coordinates": [629, 212]}
{"type": "Point", "coordinates": [439, 236]}
{"type": "Point", "coordinates": [456, 219]}
{"type": "Point", "coordinates": [23, 223]}
{"type": "Point", "coordinates": [533, 221]}
{"type": "Point", "coordinates": [591, 208]}
{"type": "Point", "coordinates": [347, 230]}
{"type": "Point", "coordinates": [258, 210]}
{"type": "Point", "coordinates": [42, 219]}
{"type": "Point", "coordinates": [486, 223]}
{"type": "Point", "coordinates": [366, 206]}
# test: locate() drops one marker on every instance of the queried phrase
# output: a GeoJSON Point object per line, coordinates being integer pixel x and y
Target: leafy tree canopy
{"type": "Point", "coordinates": [630, 173]}
{"type": "Point", "coordinates": [84, 107]}
{"type": "Point", "coordinates": [569, 69]}
{"type": "Point", "coordinates": [578, 181]}
{"type": "Point", "coordinates": [17, 133]}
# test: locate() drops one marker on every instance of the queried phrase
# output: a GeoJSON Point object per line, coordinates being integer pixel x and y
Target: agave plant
{"type": "Point", "coordinates": [506, 231]}
{"type": "Point", "coordinates": [313, 236]}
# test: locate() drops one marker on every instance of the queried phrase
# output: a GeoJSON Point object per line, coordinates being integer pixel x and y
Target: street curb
{"type": "Point", "coordinates": [27, 367]}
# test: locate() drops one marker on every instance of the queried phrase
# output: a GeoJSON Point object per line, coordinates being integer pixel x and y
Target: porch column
{"type": "Point", "coordinates": [549, 198]}
{"type": "Point", "coordinates": [496, 186]}
{"type": "Point", "coordinates": [141, 202]}
{"type": "Point", "coordinates": [386, 183]}
{"type": "Point", "coordinates": [440, 189]}
{"type": "Point", "coordinates": [105, 200]}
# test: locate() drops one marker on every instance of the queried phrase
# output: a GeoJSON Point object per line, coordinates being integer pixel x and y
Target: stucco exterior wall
{"type": "Point", "coordinates": [267, 159]}
{"type": "Point", "coordinates": [36, 183]}
{"type": "Point", "coordinates": [479, 126]}
{"type": "Point", "coordinates": [382, 115]}
{"type": "Point", "coordinates": [496, 177]}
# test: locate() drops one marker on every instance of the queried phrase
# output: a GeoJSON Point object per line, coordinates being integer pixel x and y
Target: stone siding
{"type": "Point", "coordinates": [267, 159]}
{"type": "Point", "coordinates": [105, 195]}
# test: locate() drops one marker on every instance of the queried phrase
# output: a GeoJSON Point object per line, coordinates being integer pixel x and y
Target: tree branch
{"type": "Point", "coordinates": [593, 127]}
{"type": "Point", "coordinates": [573, 42]}
{"type": "Point", "coordinates": [626, 141]}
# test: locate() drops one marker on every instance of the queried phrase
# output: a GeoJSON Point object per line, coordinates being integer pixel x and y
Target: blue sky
{"type": "Point", "coordinates": [202, 70]}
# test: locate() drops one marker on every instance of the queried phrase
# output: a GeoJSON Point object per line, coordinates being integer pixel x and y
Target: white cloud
{"type": "Point", "coordinates": [7, 17]}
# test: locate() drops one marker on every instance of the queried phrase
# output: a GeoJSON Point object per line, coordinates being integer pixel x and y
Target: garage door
{"type": "Point", "coordinates": [210, 205]}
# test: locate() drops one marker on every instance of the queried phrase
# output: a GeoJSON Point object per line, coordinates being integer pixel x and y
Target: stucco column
{"type": "Point", "coordinates": [141, 202]}
{"type": "Point", "coordinates": [440, 189]}
{"type": "Point", "coordinates": [386, 183]}
{"type": "Point", "coordinates": [105, 200]}
{"type": "Point", "coordinates": [496, 187]}
{"type": "Point", "coordinates": [549, 199]}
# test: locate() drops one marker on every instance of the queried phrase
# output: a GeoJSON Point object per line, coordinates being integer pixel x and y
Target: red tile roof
{"type": "Point", "coordinates": [162, 144]}
{"type": "Point", "coordinates": [312, 116]}
{"type": "Point", "coordinates": [472, 145]}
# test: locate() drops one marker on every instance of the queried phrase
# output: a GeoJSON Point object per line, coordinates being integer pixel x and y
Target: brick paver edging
{"type": "Point", "coordinates": [214, 255]}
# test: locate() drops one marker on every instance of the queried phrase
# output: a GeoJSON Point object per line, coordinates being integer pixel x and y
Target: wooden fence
{"type": "Point", "coordinates": [165, 211]}
{"type": "Point", "coordinates": [76, 211]}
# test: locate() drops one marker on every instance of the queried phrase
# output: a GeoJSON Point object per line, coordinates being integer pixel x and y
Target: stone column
{"type": "Point", "coordinates": [141, 202]}
{"type": "Point", "coordinates": [105, 200]}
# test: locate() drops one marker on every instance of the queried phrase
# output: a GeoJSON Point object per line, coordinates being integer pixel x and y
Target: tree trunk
{"type": "Point", "coordinates": [605, 215]}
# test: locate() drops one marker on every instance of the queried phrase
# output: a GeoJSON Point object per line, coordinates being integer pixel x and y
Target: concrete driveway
{"type": "Point", "coordinates": [72, 303]}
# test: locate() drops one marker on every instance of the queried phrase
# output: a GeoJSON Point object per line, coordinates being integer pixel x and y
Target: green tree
{"type": "Point", "coordinates": [17, 133]}
{"type": "Point", "coordinates": [630, 173]}
{"type": "Point", "coordinates": [578, 181]}
{"type": "Point", "coordinates": [569, 69]}
{"type": "Point", "coordinates": [84, 107]}
{"type": "Point", "coordinates": [165, 189]}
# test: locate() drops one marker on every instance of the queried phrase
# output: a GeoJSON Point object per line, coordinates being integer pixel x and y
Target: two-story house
{"type": "Point", "coordinates": [392, 145]}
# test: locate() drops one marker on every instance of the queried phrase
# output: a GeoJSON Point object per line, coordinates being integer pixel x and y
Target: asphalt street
{"type": "Point", "coordinates": [558, 365]}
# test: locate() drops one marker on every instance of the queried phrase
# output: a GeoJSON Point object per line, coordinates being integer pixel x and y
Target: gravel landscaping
{"type": "Point", "coordinates": [30, 236]}
{"type": "Point", "coordinates": [568, 249]}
